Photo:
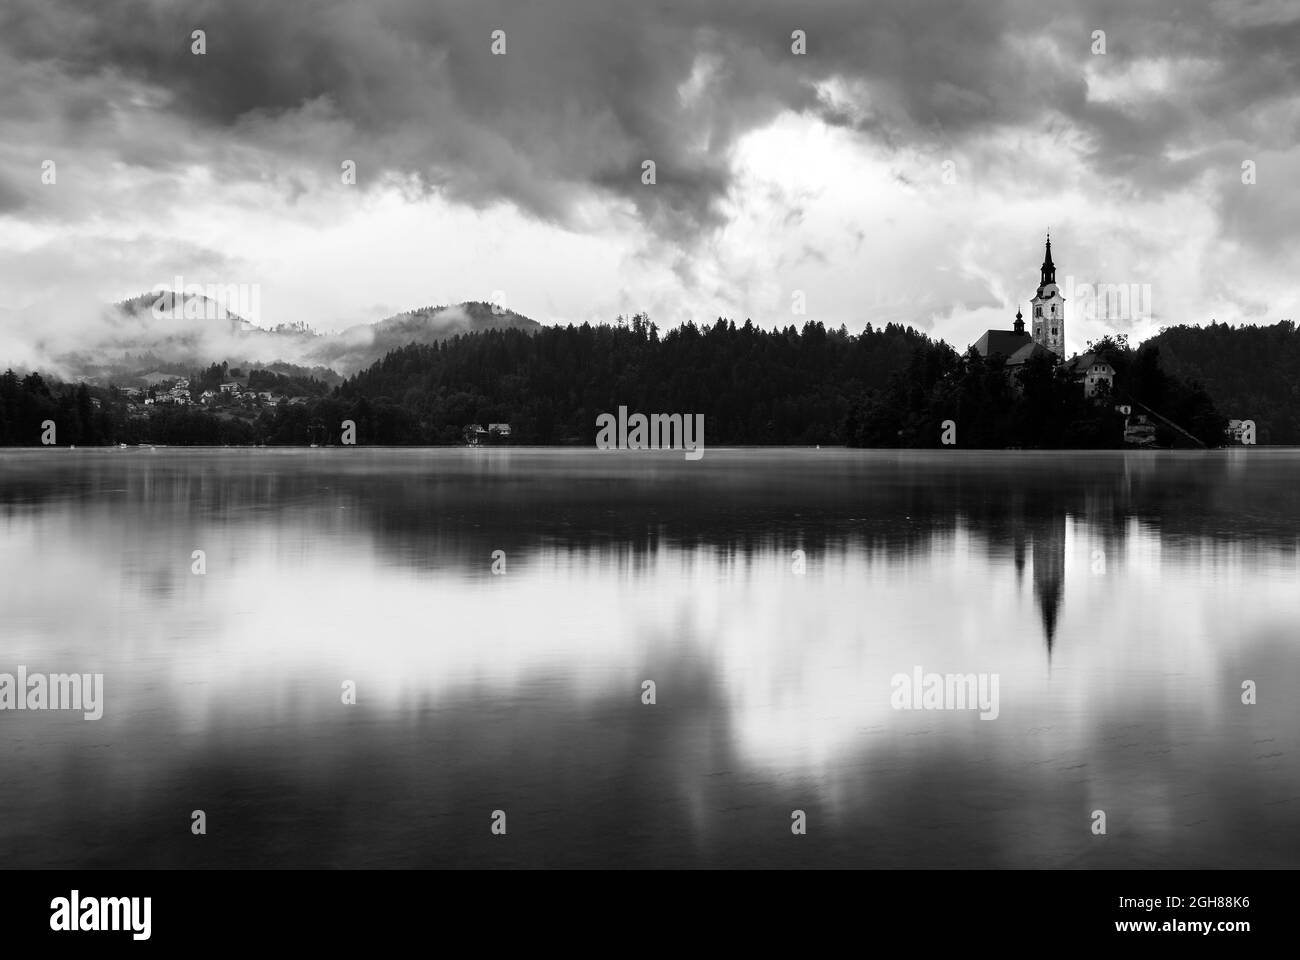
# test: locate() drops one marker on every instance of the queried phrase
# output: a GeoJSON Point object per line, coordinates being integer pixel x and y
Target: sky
{"type": "Point", "coordinates": [904, 167]}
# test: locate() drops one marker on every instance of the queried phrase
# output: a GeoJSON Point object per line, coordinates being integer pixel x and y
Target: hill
{"type": "Point", "coordinates": [754, 385]}
{"type": "Point", "coordinates": [170, 333]}
{"type": "Point", "coordinates": [359, 346]}
{"type": "Point", "coordinates": [1251, 372]}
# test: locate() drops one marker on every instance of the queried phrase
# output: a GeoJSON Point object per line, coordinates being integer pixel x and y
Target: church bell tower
{"type": "Point", "coordinates": [1048, 308]}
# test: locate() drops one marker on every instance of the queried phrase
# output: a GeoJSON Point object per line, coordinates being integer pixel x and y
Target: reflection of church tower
{"type": "Point", "coordinates": [1049, 571]}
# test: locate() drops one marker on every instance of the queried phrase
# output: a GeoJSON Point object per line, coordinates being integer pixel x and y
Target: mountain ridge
{"type": "Point", "coordinates": [165, 330]}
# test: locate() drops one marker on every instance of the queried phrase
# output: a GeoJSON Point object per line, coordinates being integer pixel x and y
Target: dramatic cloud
{"type": "Point", "coordinates": [962, 129]}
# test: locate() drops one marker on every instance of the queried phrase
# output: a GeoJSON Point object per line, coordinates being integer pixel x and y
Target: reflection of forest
{"type": "Point", "coordinates": [452, 509]}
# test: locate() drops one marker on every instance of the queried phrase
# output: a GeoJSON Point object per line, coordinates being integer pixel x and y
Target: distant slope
{"type": "Point", "coordinates": [360, 346]}
{"type": "Point", "coordinates": [173, 334]}
{"type": "Point", "coordinates": [1252, 373]}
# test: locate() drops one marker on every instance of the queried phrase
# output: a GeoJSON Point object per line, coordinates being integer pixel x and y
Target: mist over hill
{"type": "Point", "coordinates": [174, 333]}
{"type": "Point", "coordinates": [359, 346]}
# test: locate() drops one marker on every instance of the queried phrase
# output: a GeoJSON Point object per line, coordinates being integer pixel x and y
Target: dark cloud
{"type": "Point", "coordinates": [12, 198]}
{"type": "Point", "coordinates": [589, 89]}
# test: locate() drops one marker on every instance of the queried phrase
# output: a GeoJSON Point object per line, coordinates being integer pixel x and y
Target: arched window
{"type": "Point", "coordinates": [1038, 311]}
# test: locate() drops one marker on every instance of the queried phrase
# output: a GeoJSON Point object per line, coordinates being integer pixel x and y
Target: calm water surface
{"type": "Point", "coordinates": [1122, 600]}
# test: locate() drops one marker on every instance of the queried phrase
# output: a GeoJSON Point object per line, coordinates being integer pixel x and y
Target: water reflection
{"type": "Point", "coordinates": [1155, 586]}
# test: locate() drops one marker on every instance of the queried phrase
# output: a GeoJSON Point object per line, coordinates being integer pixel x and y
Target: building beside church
{"type": "Point", "coordinates": [1097, 375]}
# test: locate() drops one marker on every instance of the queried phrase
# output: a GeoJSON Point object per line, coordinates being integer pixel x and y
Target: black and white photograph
{"type": "Point", "coordinates": [580, 447]}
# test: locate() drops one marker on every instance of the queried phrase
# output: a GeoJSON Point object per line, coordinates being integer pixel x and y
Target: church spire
{"type": "Point", "coordinates": [1020, 322]}
{"type": "Point", "coordinates": [1049, 268]}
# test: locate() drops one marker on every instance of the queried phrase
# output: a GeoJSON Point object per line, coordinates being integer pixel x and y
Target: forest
{"type": "Point", "coordinates": [1252, 372]}
{"type": "Point", "coordinates": [1048, 410]}
{"type": "Point", "coordinates": [891, 386]}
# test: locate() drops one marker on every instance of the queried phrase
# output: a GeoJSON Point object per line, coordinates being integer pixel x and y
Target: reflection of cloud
{"type": "Point", "coordinates": [769, 685]}
{"type": "Point", "coordinates": [804, 661]}
{"type": "Point", "coordinates": [773, 689]}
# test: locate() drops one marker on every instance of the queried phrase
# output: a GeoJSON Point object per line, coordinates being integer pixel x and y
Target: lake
{"type": "Point", "coordinates": [496, 615]}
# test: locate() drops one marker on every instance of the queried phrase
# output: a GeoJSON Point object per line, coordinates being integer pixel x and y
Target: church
{"type": "Point", "coordinates": [1016, 346]}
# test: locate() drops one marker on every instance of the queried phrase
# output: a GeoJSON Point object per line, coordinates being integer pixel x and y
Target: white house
{"type": "Point", "coordinates": [1097, 375]}
{"type": "Point", "coordinates": [1241, 431]}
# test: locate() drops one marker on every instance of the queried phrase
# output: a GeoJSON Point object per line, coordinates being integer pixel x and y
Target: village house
{"type": "Point", "coordinates": [1240, 431]}
{"type": "Point", "coordinates": [1139, 430]}
{"type": "Point", "coordinates": [1097, 375]}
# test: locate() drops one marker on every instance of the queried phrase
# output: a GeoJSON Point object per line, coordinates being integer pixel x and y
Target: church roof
{"type": "Point", "coordinates": [1029, 350]}
{"type": "Point", "coordinates": [1048, 271]}
{"type": "Point", "coordinates": [1001, 343]}
{"type": "Point", "coordinates": [1081, 363]}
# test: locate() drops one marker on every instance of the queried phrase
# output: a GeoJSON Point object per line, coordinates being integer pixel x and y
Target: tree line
{"type": "Point", "coordinates": [888, 386]}
{"type": "Point", "coordinates": [1045, 408]}
{"type": "Point", "coordinates": [1253, 372]}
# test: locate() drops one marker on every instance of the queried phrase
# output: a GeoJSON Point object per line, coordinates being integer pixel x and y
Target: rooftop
{"type": "Point", "coordinates": [1002, 343]}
